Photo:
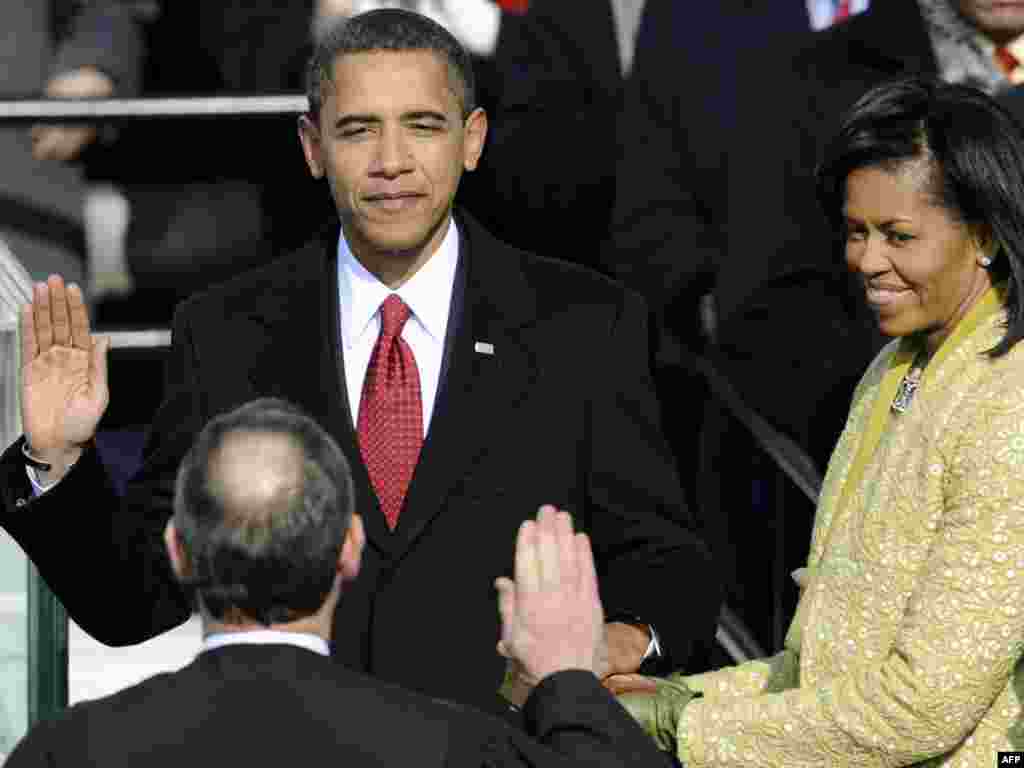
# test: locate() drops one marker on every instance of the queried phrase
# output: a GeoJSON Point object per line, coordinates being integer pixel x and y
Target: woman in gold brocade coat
{"type": "Point", "coordinates": [907, 640]}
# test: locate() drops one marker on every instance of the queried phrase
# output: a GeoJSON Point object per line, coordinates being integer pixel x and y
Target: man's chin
{"type": "Point", "coordinates": [399, 245]}
{"type": "Point", "coordinates": [391, 235]}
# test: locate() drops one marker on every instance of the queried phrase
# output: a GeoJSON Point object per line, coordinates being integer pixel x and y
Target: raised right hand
{"type": "Point", "coordinates": [63, 375]}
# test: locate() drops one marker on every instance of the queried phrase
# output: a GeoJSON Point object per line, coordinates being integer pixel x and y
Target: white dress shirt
{"type": "Point", "coordinates": [428, 294]}
{"type": "Point", "coordinates": [310, 642]}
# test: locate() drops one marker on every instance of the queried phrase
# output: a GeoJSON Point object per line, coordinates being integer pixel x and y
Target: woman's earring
{"type": "Point", "coordinates": [985, 261]}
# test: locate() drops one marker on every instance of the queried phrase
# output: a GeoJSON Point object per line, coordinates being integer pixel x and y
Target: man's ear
{"type": "Point", "coordinates": [176, 551]}
{"type": "Point", "coordinates": [474, 138]}
{"type": "Point", "coordinates": [312, 145]}
{"type": "Point", "coordinates": [351, 556]}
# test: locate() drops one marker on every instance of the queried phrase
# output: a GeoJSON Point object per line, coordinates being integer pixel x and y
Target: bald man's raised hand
{"type": "Point", "coordinates": [63, 375]}
{"type": "Point", "coordinates": [551, 614]}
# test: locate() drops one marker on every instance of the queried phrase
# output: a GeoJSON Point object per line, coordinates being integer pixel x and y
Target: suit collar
{"type": "Point", "coordinates": [263, 661]}
{"type": "Point", "coordinates": [310, 642]}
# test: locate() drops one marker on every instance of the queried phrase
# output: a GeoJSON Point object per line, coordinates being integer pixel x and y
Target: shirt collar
{"type": "Point", "coordinates": [310, 642]}
{"type": "Point", "coordinates": [427, 293]}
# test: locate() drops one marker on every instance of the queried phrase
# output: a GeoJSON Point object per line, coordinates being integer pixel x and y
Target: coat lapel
{"type": "Point", "coordinates": [300, 358]}
{"type": "Point", "coordinates": [479, 398]}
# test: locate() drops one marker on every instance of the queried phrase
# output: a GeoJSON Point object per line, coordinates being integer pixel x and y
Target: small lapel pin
{"type": "Point", "coordinates": [484, 347]}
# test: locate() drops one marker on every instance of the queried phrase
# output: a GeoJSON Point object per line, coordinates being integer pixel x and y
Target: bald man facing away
{"type": "Point", "coordinates": [264, 533]}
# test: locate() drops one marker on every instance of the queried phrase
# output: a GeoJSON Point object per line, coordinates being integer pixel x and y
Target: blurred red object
{"type": "Point", "coordinates": [514, 6]}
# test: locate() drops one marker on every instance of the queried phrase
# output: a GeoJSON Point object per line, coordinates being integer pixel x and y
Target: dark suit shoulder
{"type": "Point", "coordinates": [565, 282]}
{"type": "Point", "coordinates": [233, 704]}
{"type": "Point", "coordinates": [547, 276]}
{"type": "Point", "coordinates": [273, 282]}
{"type": "Point", "coordinates": [511, 276]}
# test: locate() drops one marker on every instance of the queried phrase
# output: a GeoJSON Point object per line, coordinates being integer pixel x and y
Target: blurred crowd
{"type": "Point", "coordinates": [669, 144]}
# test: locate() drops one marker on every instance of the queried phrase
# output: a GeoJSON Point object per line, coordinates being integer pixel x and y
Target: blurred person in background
{"type": "Point", "coordinates": [906, 644]}
{"type": "Point", "coordinates": [181, 203]}
{"type": "Point", "coordinates": [669, 231]}
{"type": "Point", "coordinates": [40, 203]}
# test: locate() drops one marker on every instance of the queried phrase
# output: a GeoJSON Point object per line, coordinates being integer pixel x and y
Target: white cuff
{"type": "Point", "coordinates": [38, 489]}
{"type": "Point", "coordinates": [653, 647]}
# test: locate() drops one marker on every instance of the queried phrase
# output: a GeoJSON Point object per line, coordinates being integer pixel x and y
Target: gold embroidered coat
{"type": "Point", "coordinates": [905, 645]}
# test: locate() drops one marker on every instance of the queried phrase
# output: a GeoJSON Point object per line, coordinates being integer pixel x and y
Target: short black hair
{"type": "Point", "coordinates": [974, 150]}
{"type": "Point", "coordinates": [276, 563]}
{"type": "Point", "coordinates": [390, 29]}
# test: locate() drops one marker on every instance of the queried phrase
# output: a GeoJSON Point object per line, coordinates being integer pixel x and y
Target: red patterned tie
{"type": "Point", "coordinates": [391, 412]}
{"type": "Point", "coordinates": [842, 10]}
{"type": "Point", "coordinates": [1007, 62]}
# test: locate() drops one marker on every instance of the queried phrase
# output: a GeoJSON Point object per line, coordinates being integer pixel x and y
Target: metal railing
{"type": "Point", "coordinates": [32, 110]}
{"type": "Point", "coordinates": [794, 465]}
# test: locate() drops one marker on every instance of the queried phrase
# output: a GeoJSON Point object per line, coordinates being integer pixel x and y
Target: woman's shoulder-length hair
{"type": "Point", "coordinates": [976, 152]}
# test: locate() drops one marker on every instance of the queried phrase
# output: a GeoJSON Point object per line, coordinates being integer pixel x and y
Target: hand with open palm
{"type": "Point", "coordinates": [63, 376]}
{"type": "Point", "coordinates": [551, 614]}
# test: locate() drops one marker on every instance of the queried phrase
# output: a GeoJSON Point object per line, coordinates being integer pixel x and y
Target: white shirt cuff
{"type": "Point", "coordinates": [653, 647]}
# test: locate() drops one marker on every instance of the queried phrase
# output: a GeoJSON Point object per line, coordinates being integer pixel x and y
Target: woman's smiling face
{"type": "Point", "coordinates": [920, 266]}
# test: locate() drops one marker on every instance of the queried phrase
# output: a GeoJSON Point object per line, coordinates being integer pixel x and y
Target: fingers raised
{"type": "Point", "coordinates": [527, 573]}
{"type": "Point", "coordinates": [567, 551]}
{"type": "Point", "coordinates": [587, 570]}
{"type": "Point", "coordinates": [79, 317]}
{"type": "Point", "coordinates": [29, 347]}
{"type": "Point", "coordinates": [506, 597]}
{"type": "Point", "coordinates": [549, 559]}
{"type": "Point", "coordinates": [41, 317]}
{"type": "Point", "coordinates": [59, 312]}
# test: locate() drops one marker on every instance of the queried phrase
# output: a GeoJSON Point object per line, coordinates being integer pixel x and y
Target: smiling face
{"type": "Point", "coordinates": [1001, 20]}
{"type": "Point", "coordinates": [920, 266]}
{"type": "Point", "coordinates": [393, 144]}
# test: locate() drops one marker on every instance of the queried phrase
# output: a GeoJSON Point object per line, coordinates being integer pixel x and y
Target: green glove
{"type": "Point", "coordinates": [658, 713]}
